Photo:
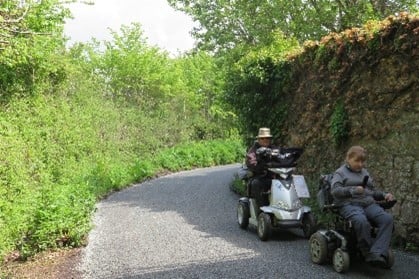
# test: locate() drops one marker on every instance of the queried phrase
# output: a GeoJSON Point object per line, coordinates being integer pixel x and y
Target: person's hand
{"type": "Point", "coordinates": [359, 190]}
{"type": "Point", "coordinates": [389, 197]}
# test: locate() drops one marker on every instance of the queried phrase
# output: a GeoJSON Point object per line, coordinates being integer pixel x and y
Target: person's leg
{"type": "Point", "coordinates": [384, 223]}
{"type": "Point", "coordinates": [255, 189]}
{"type": "Point", "coordinates": [258, 186]}
{"type": "Point", "coordinates": [265, 188]}
{"type": "Point", "coordinates": [361, 225]}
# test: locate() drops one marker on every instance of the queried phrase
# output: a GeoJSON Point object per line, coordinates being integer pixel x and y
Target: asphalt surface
{"type": "Point", "coordinates": [184, 226]}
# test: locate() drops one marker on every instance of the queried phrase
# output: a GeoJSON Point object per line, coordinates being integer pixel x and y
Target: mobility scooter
{"type": "Point", "coordinates": [337, 243]}
{"type": "Point", "coordinates": [286, 209]}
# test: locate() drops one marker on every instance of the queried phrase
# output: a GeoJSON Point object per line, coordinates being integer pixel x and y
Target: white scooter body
{"type": "Point", "coordinates": [285, 209]}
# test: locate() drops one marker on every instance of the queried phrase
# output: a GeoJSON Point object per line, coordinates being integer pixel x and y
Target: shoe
{"type": "Point", "coordinates": [376, 260]}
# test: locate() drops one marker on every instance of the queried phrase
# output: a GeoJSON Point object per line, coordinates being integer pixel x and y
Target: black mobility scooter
{"type": "Point", "coordinates": [337, 243]}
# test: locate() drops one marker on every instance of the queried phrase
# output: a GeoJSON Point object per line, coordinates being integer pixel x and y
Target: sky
{"type": "Point", "coordinates": [162, 25]}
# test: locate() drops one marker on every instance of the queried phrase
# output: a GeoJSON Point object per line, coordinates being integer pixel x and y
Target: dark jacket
{"type": "Point", "coordinates": [256, 163]}
{"type": "Point", "coordinates": [344, 182]}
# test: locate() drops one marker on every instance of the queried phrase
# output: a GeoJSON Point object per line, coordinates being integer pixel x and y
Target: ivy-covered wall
{"type": "Point", "coordinates": [360, 87]}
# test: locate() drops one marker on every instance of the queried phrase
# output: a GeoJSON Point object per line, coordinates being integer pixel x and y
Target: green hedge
{"type": "Point", "coordinates": [60, 154]}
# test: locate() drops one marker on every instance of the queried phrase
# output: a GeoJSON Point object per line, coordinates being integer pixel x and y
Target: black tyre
{"type": "Point", "coordinates": [243, 215]}
{"type": "Point", "coordinates": [264, 226]}
{"type": "Point", "coordinates": [309, 224]}
{"type": "Point", "coordinates": [341, 260]}
{"type": "Point", "coordinates": [318, 248]}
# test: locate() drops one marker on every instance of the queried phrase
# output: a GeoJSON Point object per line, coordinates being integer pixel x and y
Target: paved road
{"type": "Point", "coordinates": [184, 226]}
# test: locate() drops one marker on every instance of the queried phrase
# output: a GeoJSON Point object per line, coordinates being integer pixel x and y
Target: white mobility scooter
{"type": "Point", "coordinates": [286, 209]}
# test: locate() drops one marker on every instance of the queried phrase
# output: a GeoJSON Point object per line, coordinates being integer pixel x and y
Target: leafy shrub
{"type": "Point", "coordinates": [199, 154]}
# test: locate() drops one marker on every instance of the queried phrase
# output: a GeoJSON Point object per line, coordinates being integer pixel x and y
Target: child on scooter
{"type": "Point", "coordinates": [353, 191]}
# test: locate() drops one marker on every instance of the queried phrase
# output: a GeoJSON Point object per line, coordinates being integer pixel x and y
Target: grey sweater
{"type": "Point", "coordinates": [344, 182]}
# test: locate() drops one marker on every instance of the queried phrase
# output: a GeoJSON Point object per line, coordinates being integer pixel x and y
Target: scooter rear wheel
{"type": "Point", "coordinates": [243, 215]}
{"type": "Point", "coordinates": [341, 260]}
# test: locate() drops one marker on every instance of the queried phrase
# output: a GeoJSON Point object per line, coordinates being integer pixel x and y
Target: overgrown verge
{"type": "Point", "coordinates": [61, 153]}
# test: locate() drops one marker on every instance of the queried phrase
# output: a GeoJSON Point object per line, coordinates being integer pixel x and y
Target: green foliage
{"type": "Point", "coordinates": [76, 125]}
{"type": "Point", "coordinates": [61, 154]}
{"type": "Point", "coordinates": [256, 82]}
{"type": "Point", "coordinates": [60, 218]}
{"type": "Point", "coordinates": [261, 83]}
{"type": "Point", "coordinates": [339, 124]}
{"type": "Point", "coordinates": [94, 121]}
{"type": "Point", "coordinates": [132, 69]}
{"type": "Point", "coordinates": [184, 91]}
{"type": "Point", "coordinates": [333, 64]}
{"type": "Point", "coordinates": [23, 19]}
{"type": "Point", "coordinates": [238, 186]}
{"type": "Point", "coordinates": [47, 141]}
{"type": "Point", "coordinates": [224, 25]}
{"type": "Point", "coordinates": [200, 154]}
{"type": "Point", "coordinates": [31, 45]}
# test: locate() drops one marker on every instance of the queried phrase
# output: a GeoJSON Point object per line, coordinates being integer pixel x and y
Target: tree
{"type": "Point", "coordinates": [203, 77]}
{"type": "Point", "coordinates": [31, 42]}
{"type": "Point", "coordinates": [25, 18]}
{"type": "Point", "coordinates": [130, 68]}
{"type": "Point", "coordinates": [225, 24]}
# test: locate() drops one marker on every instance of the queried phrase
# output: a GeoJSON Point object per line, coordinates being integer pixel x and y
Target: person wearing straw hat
{"type": "Point", "coordinates": [260, 182]}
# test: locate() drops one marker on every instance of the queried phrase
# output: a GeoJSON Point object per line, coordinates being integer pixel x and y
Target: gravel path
{"type": "Point", "coordinates": [184, 226]}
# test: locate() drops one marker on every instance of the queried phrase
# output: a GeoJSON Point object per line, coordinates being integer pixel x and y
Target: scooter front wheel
{"type": "Point", "coordinates": [318, 248]}
{"type": "Point", "coordinates": [264, 226]}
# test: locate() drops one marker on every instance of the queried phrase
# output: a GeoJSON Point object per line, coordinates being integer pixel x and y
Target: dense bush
{"type": "Point", "coordinates": [60, 154]}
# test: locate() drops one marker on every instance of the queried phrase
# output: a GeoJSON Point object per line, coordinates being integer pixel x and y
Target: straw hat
{"type": "Point", "coordinates": [264, 133]}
